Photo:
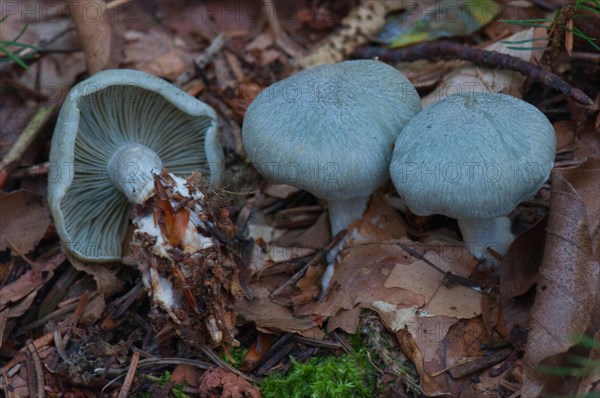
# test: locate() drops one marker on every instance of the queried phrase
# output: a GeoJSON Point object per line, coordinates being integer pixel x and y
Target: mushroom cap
{"type": "Point", "coordinates": [111, 109]}
{"type": "Point", "coordinates": [473, 155]}
{"type": "Point", "coordinates": [330, 129]}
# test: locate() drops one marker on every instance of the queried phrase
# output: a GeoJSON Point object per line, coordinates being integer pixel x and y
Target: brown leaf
{"type": "Point", "coordinates": [157, 53]}
{"type": "Point", "coordinates": [359, 278]}
{"type": "Point", "coordinates": [565, 134]}
{"type": "Point", "coordinates": [346, 320]}
{"type": "Point", "coordinates": [24, 219]}
{"type": "Point", "coordinates": [567, 292]}
{"type": "Point", "coordinates": [461, 341]}
{"type": "Point", "coordinates": [585, 179]}
{"type": "Point", "coordinates": [521, 263]}
{"type": "Point", "coordinates": [30, 281]}
{"type": "Point", "coordinates": [420, 278]}
{"type": "Point", "coordinates": [315, 237]}
{"type": "Point", "coordinates": [105, 277]}
{"type": "Point", "coordinates": [257, 351]}
{"type": "Point", "coordinates": [471, 78]}
{"type": "Point", "coordinates": [269, 315]}
{"type": "Point", "coordinates": [95, 33]}
{"type": "Point", "coordinates": [380, 222]}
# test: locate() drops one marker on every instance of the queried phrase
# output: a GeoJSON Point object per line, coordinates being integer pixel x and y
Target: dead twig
{"type": "Point", "coordinates": [222, 364]}
{"type": "Point", "coordinates": [38, 370]}
{"type": "Point", "coordinates": [492, 59]}
{"type": "Point", "coordinates": [36, 170]}
{"type": "Point", "coordinates": [332, 345]}
{"type": "Point", "coordinates": [135, 359]}
{"type": "Point", "coordinates": [449, 278]}
{"type": "Point", "coordinates": [472, 365]}
{"type": "Point", "coordinates": [152, 362]}
{"type": "Point", "coordinates": [9, 162]}
{"type": "Point", "coordinates": [316, 259]}
{"type": "Point", "coordinates": [203, 59]}
{"type": "Point", "coordinates": [282, 40]}
{"type": "Point", "coordinates": [275, 354]}
{"type": "Point", "coordinates": [116, 3]}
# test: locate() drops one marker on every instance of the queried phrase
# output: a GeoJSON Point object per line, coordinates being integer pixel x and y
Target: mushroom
{"type": "Point", "coordinates": [474, 157]}
{"type": "Point", "coordinates": [113, 132]}
{"type": "Point", "coordinates": [330, 130]}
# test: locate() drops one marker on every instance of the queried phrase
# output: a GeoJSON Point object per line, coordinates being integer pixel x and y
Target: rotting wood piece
{"type": "Point", "coordinates": [192, 274]}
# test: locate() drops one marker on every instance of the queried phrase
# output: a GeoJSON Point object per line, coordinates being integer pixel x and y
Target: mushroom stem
{"type": "Point", "coordinates": [130, 169]}
{"type": "Point", "coordinates": [343, 212]}
{"type": "Point", "coordinates": [481, 234]}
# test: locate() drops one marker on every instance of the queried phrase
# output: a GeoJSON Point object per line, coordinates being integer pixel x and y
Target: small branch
{"type": "Point", "coordinates": [130, 375]}
{"type": "Point", "coordinates": [318, 257]}
{"type": "Point", "coordinates": [282, 40]}
{"type": "Point", "coordinates": [449, 278]}
{"type": "Point", "coordinates": [116, 3]}
{"type": "Point", "coordinates": [472, 365]}
{"type": "Point", "coordinates": [492, 59]}
{"type": "Point", "coordinates": [24, 141]}
{"type": "Point", "coordinates": [224, 365]}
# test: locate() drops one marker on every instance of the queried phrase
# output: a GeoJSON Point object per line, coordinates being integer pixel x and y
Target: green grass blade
{"type": "Point", "coordinates": [13, 57]}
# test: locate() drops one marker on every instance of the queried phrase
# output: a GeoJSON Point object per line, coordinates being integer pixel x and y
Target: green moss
{"type": "Point", "coordinates": [176, 391]}
{"type": "Point", "coordinates": [236, 356]}
{"type": "Point", "coordinates": [350, 375]}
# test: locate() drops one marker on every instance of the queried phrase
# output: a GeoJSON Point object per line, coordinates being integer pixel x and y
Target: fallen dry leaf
{"type": "Point", "coordinates": [316, 236]}
{"type": "Point", "coordinates": [470, 78]}
{"type": "Point", "coordinates": [380, 222]}
{"type": "Point", "coordinates": [260, 346]}
{"type": "Point", "coordinates": [359, 278]}
{"type": "Point", "coordinates": [585, 179]}
{"type": "Point", "coordinates": [346, 320]}
{"type": "Point", "coordinates": [565, 134]}
{"type": "Point", "coordinates": [567, 286]}
{"type": "Point", "coordinates": [95, 33]}
{"type": "Point", "coordinates": [267, 314]}
{"type": "Point", "coordinates": [419, 277]}
{"type": "Point", "coordinates": [157, 53]}
{"type": "Point", "coordinates": [105, 277]}
{"type": "Point", "coordinates": [24, 219]}
{"type": "Point", "coordinates": [30, 281]}
{"type": "Point", "coordinates": [460, 343]}
{"type": "Point", "coordinates": [520, 265]}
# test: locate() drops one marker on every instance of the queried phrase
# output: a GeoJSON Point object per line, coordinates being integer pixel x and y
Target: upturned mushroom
{"type": "Point", "coordinates": [330, 130]}
{"type": "Point", "coordinates": [113, 132]}
{"type": "Point", "coordinates": [474, 157]}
